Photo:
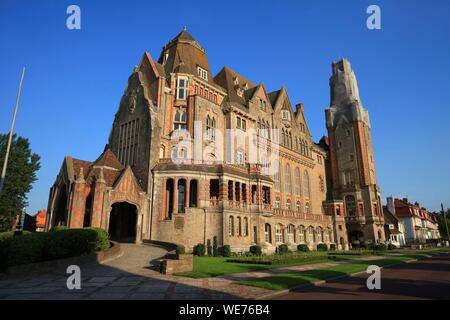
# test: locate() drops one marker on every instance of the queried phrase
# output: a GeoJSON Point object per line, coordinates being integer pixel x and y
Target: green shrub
{"type": "Point", "coordinates": [391, 246]}
{"type": "Point", "coordinates": [59, 228]}
{"type": "Point", "coordinates": [381, 247]}
{"type": "Point", "coordinates": [322, 247]}
{"type": "Point", "coordinates": [58, 244]}
{"type": "Point", "coordinates": [215, 247]}
{"type": "Point", "coordinates": [282, 249]}
{"type": "Point", "coordinates": [199, 250]}
{"type": "Point", "coordinates": [302, 248]}
{"type": "Point", "coordinates": [209, 247]}
{"type": "Point", "coordinates": [180, 250]}
{"type": "Point", "coordinates": [226, 250]}
{"type": "Point", "coordinates": [256, 250]}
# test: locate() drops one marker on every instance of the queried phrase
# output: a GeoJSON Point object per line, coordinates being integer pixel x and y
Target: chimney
{"type": "Point", "coordinates": [300, 107]}
{"type": "Point", "coordinates": [390, 205]}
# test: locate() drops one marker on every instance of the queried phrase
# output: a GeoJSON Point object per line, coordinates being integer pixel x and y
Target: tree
{"type": "Point", "coordinates": [441, 223]}
{"type": "Point", "coordinates": [20, 176]}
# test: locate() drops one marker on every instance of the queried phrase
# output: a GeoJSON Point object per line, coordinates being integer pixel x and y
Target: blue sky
{"type": "Point", "coordinates": [75, 79]}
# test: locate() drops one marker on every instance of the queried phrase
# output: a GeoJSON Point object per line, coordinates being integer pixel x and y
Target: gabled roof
{"type": "Point", "coordinates": [108, 159]}
{"type": "Point", "coordinates": [226, 78]}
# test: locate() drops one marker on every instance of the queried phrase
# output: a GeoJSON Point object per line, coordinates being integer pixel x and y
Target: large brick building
{"type": "Point", "coordinates": [192, 157]}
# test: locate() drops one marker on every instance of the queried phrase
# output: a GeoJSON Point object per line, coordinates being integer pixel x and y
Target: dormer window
{"type": "Point", "coordinates": [236, 81]}
{"type": "Point", "coordinates": [286, 115]}
{"type": "Point", "coordinates": [202, 73]}
{"type": "Point", "coordinates": [166, 55]}
{"type": "Point", "coordinates": [240, 92]}
{"type": "Point", "coordinates": [246, 86]}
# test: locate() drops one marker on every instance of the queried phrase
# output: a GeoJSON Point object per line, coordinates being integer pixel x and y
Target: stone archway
{"type": "Point", "coordinates": [123, 220]}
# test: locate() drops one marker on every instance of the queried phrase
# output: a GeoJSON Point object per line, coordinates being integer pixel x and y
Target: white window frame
{"type": "Point", "coordinates": [182, 89]}
{"type": "Point", "coordinates": [202, 73]}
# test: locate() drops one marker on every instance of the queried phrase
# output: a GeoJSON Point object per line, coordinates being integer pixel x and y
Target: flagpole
{"type": "Point", "coordinates": [8, 147]}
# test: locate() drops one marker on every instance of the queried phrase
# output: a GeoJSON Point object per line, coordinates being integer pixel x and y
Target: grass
{"type": "Point", "coordinates": [205, 267]}
{"type": "Point", "coordinates": [292, 279]}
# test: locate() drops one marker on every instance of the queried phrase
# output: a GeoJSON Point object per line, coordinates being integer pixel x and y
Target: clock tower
{"type": "Point", "coordinates": [351, 159]}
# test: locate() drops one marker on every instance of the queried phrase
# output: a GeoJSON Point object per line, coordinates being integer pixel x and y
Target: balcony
{"type": "Point", "coordinates": [302, 216]}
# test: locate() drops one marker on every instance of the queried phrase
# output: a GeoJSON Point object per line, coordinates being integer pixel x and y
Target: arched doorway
{"type": "Point", "coordinates": [356, 238]}
{"type": "Point", "coordinates": [193, 194]}
{"type": "Point", "coordinates": [61, 208]}
{"type": "Point", "coordinates": [123, 222]}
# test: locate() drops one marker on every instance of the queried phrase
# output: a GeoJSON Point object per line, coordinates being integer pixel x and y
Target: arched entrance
{"type": "Point", "coordinates": [356, 238]}
{"type": "Point", "coordinates": [123, 222]}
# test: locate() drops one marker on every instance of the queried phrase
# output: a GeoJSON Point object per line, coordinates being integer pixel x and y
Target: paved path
{"type": "Point", "coordinates": [128, 277]}
{"type": "Point", "coordinates": [423, 279]}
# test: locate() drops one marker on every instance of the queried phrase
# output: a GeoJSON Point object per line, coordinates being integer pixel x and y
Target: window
{"type": "Point", "coordinates": [277, 203]}
{"type": "Point", "coordinates": [241, 124]}
{"type": "Point", "coordinates": [239, 225]}
{"type": "Point", "coordinates": [319, 159]}
{"type": "Point", "coordinates": [240, 157]}
{"type": "Point", "coordinates": [182, 88]}
{"type": "Point", "coordinates": [310, 234]}
{"type": "Point", "coordinates": [288, 205]}
{"type": "Point", "coordinates": [128, 142]}
{"type": "Point", "coordinates": [306, 184]}
{"type": "Point", "coordinates": [279, 233]}
{"type": "Point", "coordinates": [319, 237]}
{"type": "Point", "coordinates": [297, 182]}
{"type": "Point", "coordinates": [301, 234]}
{"type": "Point", "coordinates": [298, 206]}
{"type": "Point", "coordinates": [286, 115]}
{"type": "Point", "coordinates": [245, 229]}
{"type": "Point", "coordinates": [350, 205]}
{"type": "Point", "coordinates": [179, 120]}
{"type": "Point", "coordinates": [211, 128]}
{"type": "Point", "coordinates": [291, 233]}
{"type": "Point", "coordinates": [352, 157]}
{"type": "Point", "coordinates": [287, 179]}
{"type": "Point", "coordinates": [277, 180]}
{"type": "Point", "coordinates": [202, 73]}
{"type": "Point", "coordinates": [231, 226]}
{"type": "Point", "coordinates": [307, 207]}
{"type": "Point", "coordinates": [268, 233]}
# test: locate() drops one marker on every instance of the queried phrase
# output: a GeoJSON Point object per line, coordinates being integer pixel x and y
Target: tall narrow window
{"type": "Point", "coordinates": [306, 184]}
{"type": "Point", "coordinates": [287, 179]}
{"type": "Point", "coordinates": [179, 120]}
{"type": "Point", "coordinates": [211, 128]}
{"type": "Point", "coordinates": [268, 233]}
{"type": "Point", "coordinates": [279, 233]}
{"type": "Point", "coordinates": [231, 226]}
{"type": "Point", "coordinates": [277, 180]}
{"type": "Point", "coordinates": [182, 88]}
{"type": "Point", "coordinates": [297, 182]}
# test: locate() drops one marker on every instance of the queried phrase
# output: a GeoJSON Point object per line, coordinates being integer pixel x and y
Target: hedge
{"type": "Point", "coordinates": [282, 249]}
{"type": "Point", "coordinates": [44, 246]}
{"type": "Point", "coordinates": [199, 250]}
{"type": "Point", "coordinates": [322, 247]}
{"type": "Point", "coordinates": [302, 248]}
{"type": "Point", "coordinates": [256, 250]}
{"type": "Point", "coordinates": [226, 250]}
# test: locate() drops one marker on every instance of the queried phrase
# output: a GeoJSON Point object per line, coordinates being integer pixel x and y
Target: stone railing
{"type": "Point", "coordinates": [302, 216]}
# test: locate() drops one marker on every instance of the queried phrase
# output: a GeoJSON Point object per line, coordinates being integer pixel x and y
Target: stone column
{"type": "Point", "coordinates": [175, 196]}
{"type": "Point", "coordinates": [162, 214]}
{"type": "Point", "coordinates": [187, 192]}
{"type": "Point", "coordinates": [78, 202]}
{"type": "Point", "coordinates": [97, 201]}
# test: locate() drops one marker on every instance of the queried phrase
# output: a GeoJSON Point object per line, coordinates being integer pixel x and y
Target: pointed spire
{"type": "Point", "coordinates": [80, 176]}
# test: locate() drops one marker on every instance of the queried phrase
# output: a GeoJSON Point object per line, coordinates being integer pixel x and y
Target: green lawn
{"type": "Point", "coordinates": [205, 267]}
{"type": "Point", "coordinates": [292, 279]}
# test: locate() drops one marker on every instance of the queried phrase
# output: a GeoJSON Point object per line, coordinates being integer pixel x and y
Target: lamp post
{"type": "Point", "coordinates": [8, 147]}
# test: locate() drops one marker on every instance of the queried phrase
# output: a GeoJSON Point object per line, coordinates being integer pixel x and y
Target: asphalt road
{"type": "Point", "coordinates": [424, 279]}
